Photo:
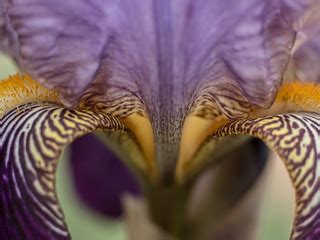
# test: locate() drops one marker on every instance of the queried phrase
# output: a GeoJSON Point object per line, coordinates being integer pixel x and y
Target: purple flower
{"type": "Point", "coordinates": [166, 84]}
{"type": "Point", "coordinates": [101, 179]}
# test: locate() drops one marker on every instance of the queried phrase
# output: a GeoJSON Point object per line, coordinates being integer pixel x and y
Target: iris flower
{"type": "Point", "coordinates": [178, 90]}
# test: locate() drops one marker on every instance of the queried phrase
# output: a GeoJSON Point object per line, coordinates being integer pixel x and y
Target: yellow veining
{"type": "Point", "coordinates": [21, 88]}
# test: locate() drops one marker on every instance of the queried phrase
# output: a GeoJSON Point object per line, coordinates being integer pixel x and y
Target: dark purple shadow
{"type": "Point", "coordinates": [99, 177]}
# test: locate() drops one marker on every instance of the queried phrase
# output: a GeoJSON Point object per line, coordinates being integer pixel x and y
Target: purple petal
{"type": "Point", "coordinates": [306, 56]}
{"type": "Point", "coordinates": [32, 138]}
{"type": "Point", "coordinates": [100, 177]}
{"type": "Point", "coordinates": [295, 137]}
{"type": "Point", "coordinates": [306, 61]}
{"type": "Point", "coordinates": [9, 42]}
{"type": "Point", "coordinates": [62, 42]}
{"type": "Point", "coordinates": [245, 44]}
{"type": "Point", "coordinates": [150, 48]}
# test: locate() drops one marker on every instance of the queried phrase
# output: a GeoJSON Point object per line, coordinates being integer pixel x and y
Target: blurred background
{"type": "Point", "coordinates": [276, 213]}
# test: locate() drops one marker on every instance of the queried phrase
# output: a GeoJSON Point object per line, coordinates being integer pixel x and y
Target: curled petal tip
{"type": "Point", "coordinates": [32, 138]}
{"type": "Point", "coordinates": [296, 138]}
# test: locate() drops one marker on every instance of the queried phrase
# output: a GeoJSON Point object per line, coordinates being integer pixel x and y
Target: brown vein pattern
{"type": "Point", "coordinates": [224, 100]}
{"type": "Point", "coordinates": [296, 138]}
{"type": "Point", "coordinates": [32, 138]}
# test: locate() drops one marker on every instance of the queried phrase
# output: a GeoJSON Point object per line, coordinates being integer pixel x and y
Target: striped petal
{"type": "Point", "coordinates": [296, 138]}
{"type": "Point", "coordinates": [32, 138]}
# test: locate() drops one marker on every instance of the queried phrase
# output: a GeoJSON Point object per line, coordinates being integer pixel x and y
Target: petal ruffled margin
{"type": "Point", "coordinates": [296, 138]}
{"type": "Point", "coordinates": [72, 45]}
{"type": "Point", "coordinates": [32, 138]}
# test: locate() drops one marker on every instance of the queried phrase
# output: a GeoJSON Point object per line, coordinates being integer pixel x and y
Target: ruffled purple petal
{"type": "Point", "coordinates": [62, 43]}
{"type": "Point", "coordinates": [151, 48]}
{"type": "Point", "coordinates": [100, 178]}
{"type": "Point", "coordinates": [306, 57]}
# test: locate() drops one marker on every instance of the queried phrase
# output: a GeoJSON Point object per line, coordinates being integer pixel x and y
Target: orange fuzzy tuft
{"type": "Point", "coordinates": [20, 89]}
{"type": "Point", "coordinates": [303, 95]}
{"type": "Point", "coordinates": [293, 97]}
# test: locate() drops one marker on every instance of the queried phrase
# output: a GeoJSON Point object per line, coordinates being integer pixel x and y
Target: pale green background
{"type": "Point", "coordinates": [277, 211]}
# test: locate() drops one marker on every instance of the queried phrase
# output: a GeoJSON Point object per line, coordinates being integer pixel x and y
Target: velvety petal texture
{"type": "Point", "coordinates": [158, 58]}
{"type": "Point", "coordinates": [296, 138]}
{"type": "Point", "coordinates": [162, 63]}
{"type": "Point", "coordinates": [62, 44]}
{"type": "Point", "coordinates": [305, 61]}
{"type": "Point", "coordinates": [100, 178]}
{"type": "Point", "coordinates": [306, 54]}
{"type": "Point", "coordinates": [9, 43]}
{"type": "Point", "coordinates": [155, 45]}
{"type": "Point", "coordinates": [32, 138]}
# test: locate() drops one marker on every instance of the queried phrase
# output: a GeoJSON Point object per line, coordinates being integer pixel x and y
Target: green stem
{"type": "Point", "coordinates": [167, 205]}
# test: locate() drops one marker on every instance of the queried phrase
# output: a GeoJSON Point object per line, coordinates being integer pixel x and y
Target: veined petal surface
{"type": "Point", "coordinates": [32, 138]}
{"type": "Point", "coordinates": [296, 138]}
{"type": "Point", "coordinates": [151, 48]}
{"type": "Point", "coordinates": [306, 52]}
{"type": "Point", "coordinates": [157, 58]}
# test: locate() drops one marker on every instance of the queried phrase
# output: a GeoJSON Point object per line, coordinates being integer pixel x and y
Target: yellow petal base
{"type": "Point", "coordinates": [291, 97]}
